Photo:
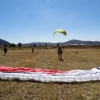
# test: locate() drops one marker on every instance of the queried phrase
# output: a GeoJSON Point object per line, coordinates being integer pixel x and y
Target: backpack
{"type": "Point", "coordinates": [60, 51]}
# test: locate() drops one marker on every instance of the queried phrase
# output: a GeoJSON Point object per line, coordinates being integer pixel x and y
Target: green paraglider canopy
{"type": "Point", "coordinates": [60, 31]}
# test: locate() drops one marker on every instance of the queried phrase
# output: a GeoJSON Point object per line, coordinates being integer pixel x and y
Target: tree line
{"type": "Point", "coordinates": [20, 45]}
{"type": "Point", "coordinates": [12, 45]}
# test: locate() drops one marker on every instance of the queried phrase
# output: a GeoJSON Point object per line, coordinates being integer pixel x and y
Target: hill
{"type": "Point", "coordinates": [80, 42]}
{"type": "Point", "coordinates": [2, 42]}
{"type": "Point", "coordinates": [70, 42]}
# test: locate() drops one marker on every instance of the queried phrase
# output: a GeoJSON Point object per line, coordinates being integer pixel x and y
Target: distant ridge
{"type": "Point", "coordinates": [80, 42]}
{"type": "Point", "coordinates": [70, 42]}
{"type": "Point", "coordinates": [2, 42]}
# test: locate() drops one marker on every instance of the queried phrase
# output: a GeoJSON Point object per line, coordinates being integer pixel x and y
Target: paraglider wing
{"type": "Point", "coordinates": [60, 31]}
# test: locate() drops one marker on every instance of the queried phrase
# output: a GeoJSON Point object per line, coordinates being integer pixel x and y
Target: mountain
{"type": "Point", "coordinates": [70, 42]}
{"type": "Point", "coordinates": [80, 42]}
{"type": "Point", "coordinates": [2, 42]}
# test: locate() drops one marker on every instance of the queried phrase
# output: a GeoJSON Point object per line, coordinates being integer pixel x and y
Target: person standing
{"type": "Point", "coordinates": [60, 53]}
{"type": "Point", "coordinates": [5, 50]}
{"type": "Point", "coordinates": [32, 49]}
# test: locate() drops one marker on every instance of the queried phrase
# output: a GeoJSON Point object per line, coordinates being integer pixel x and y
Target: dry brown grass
{"type": "Point", "coordinates": [47, 59]}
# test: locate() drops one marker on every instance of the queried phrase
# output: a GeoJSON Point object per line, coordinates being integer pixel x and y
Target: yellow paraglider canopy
{"type": "Point", "coordinates": [60, 31]}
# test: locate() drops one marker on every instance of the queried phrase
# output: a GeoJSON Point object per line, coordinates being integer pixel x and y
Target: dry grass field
{"type": "Point", "coordinates": [48, 59]}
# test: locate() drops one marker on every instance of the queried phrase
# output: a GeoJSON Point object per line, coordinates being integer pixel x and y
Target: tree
{"type": "Point", "coordinates": [34, 45]}
{"type": "Point", "coordinates": [19, 44]}
{"type": "Point", "coordinates": [45, 44]}
{"type": "Point", "coordinates": [58, 44]}
{"type": "Point", "coordinates": [12, 45]}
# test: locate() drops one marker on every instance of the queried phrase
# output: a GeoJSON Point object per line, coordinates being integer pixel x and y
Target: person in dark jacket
{"type": "Point", "coordinates": [60, 53]}
{"type": "Point", "coordinates": [5, 50]}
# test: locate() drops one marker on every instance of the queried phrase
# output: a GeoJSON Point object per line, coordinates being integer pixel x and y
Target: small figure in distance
{"type": "Point", "coordinates": [5, 50]}
{"type": "Point", "coordinates": [32, 49]}
{"type": "Point", "coordinates": [60, 54]}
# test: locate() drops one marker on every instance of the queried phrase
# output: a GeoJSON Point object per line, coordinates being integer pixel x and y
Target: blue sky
{"type": "Point", "coordinates": [28, 21]}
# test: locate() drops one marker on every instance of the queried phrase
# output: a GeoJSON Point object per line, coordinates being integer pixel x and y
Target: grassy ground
{"type": "Point", "coordinates": [47, 59]}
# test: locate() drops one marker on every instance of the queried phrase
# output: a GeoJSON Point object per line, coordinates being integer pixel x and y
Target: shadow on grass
{"type": "Point", "coordinates": [60, 83]}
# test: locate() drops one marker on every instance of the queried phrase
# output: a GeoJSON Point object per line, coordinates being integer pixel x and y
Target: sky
{"type": "Point", "coordinates": [27, 21]}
